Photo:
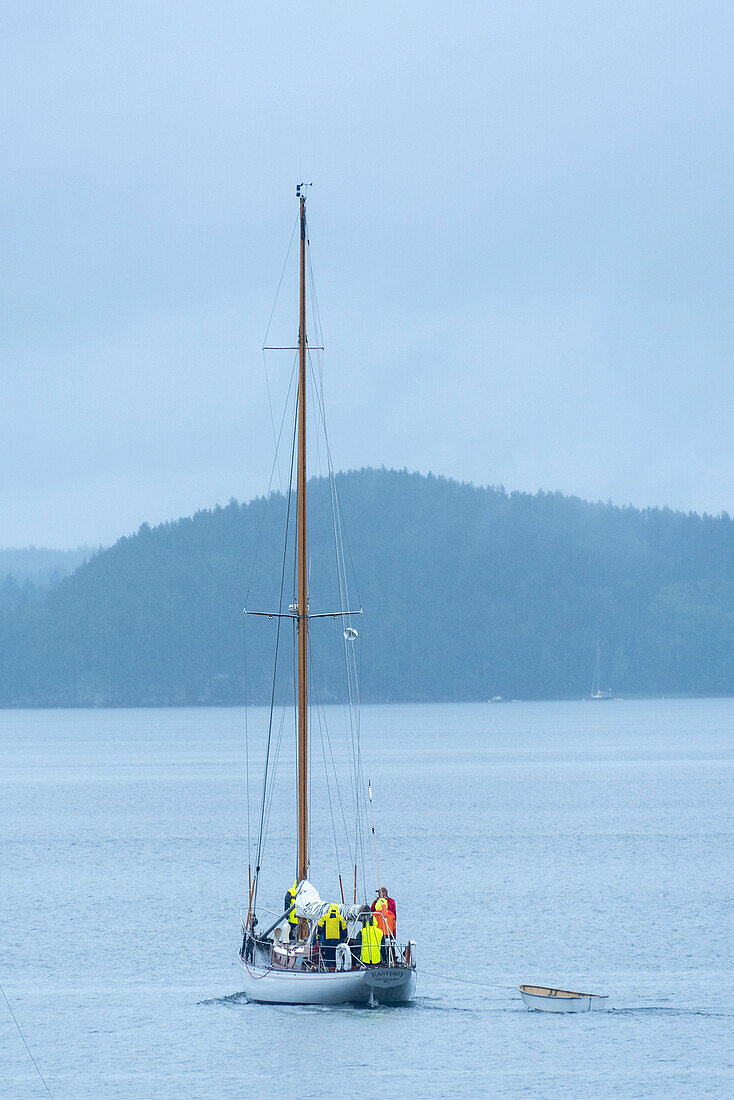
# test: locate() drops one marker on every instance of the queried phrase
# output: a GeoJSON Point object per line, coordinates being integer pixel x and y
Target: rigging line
{"type": "Point", "coordinates": [374, 834]}
{"type": "Point", "coordinates": [350, 670]}
{"type": "Point", "coordinates": [359, 681]}
{"type": "Point", "coordinates": [280, 280]}
{"type": "Point", "coordinates": [265, 776]}
{"type": "Point", "coordinates": [343, 595]}
{"type": "Point", "coordinates": [276, 760]}
{"type": "Point", "coordinates": [273, 772]}
{"type": "Point", "coordinates": [276, 462]}
{"type": "Point", "coordinates": [355, 713]}
{"type": "Point", "coordinates": [361, 784]}
{"type": "Point", "coordinates": [316, 418]}
{"type": "Point", "coordinates": [337, 526]}
{"type": "Point", "coordinates": [321, 717]}
{"type": "Point", "coordinates": [359, 705]}
{"type": "Point", "coordinates": [294, 636]}
{"type": "Point", "coordinates": [319, 347]}
{"type": "Point", "coordinates": [314, 298]}
{"type": "Point", "coordinates": [309, 823]}
{"type": "Point", "coordinates": [265, 340]}
{"type": "Point", "coordinates": [316, 354]}
{"type": "Point", "coordinates": [328, 786]}
{"type": "Point", "coordinates": [275, 671]}
{"type": "Point", "coordinates": [332, 474]}
{"type": "Point", "coordinates": [25, 1044]}
{"type": "Point", "coordinates": [296, 806]}
{"type": "Point", "coordinates": [360, 817]}
{"type": "Point", "coordinates": [340, 538]}
{"type": "Point", "coordinates": [338, 788]}
{"type": "Point", "coordinates": [346, 536]}
{"type": "Point", "coordinates": [339, 510]}
{"type": "Point", "coordinates": [354, 768]}
{"type": "Point", "coordinates": [290, 490]}
{"type": "Point", "coordinates": [247, 737]}
{"type": "Point", "coordinates": [283, 710]}
{"type": "Point", "coordinates": [270, 481]}
{"type": "Point", "coordinates": [364, 887]}
{"type": "Point", "coordinates": [319, 391]}
{"type": "Point", "coordinates": [352, 689]}
{"type": "Point", "coordinates": [352, 739]}
{"type": "Point", "coordinates": [356, 710]}
{"type": "Point", "coordinates": [353, 761]}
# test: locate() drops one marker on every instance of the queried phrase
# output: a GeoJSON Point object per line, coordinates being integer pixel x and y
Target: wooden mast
{"type": "Point", "coordinates": [302, 562]}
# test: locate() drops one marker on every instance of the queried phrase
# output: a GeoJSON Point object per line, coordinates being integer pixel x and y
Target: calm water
{"type": "Point", "coordinates": [586, 845]}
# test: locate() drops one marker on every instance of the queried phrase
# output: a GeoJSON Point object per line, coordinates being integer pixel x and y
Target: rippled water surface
{"type": "Point", "coordinates": [582, 845]}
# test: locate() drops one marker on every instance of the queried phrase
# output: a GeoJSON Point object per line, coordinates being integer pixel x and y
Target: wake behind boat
{"type": "Point", "coordinates": [319, 951]}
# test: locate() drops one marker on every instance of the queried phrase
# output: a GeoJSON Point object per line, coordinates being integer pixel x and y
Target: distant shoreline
{"type": "Point", "coordinates": [627, 698]}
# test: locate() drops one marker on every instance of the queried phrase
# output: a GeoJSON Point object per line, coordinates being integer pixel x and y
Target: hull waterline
{"type": "Point", "coordinates": [386, 985]}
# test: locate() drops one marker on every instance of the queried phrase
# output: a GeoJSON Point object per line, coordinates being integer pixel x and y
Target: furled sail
{"type": "Point", "coordinates": [310, 907]}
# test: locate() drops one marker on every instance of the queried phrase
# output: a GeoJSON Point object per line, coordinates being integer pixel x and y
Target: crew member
{"type": "Point", "coordinates": [384, 917]}
{"type": "Point", "coordinates": [332, 930]}
{"type": "Point", "coordinates": [291, 926]}
{"type": "Point", "coordinates": [369, 941]}
{"type": "Point", "coordinates": [382, 893]}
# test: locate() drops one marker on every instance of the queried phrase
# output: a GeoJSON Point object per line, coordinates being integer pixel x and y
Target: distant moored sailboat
{"type": "Point", "coordinates": [597, 692]}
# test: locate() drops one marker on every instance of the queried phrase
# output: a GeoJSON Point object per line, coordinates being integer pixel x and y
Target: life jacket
{"type": "Point", "coordinates": [384, 918]}
{"type": "Point", "coordinates": [290, 898]}
{"type": "Point", "coordinates": [333, 924]}
{"type": "Point", "coordinates": [371, 940]}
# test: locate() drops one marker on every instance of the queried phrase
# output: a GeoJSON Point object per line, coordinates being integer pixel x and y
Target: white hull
{"type": "Point", "coordinates": [386, 985]}
{"type": "Point", "coordinates": [556, 1000]}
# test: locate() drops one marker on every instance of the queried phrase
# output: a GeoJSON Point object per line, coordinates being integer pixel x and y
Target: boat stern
{"type": "Point", "coordinates": [391, 984]}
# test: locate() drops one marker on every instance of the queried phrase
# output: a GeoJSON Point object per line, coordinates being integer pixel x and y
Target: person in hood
{"type": "Point", "coordinates": [332, 930]}
{"type": "Point", "coordinates": [291, 925]}
{"type": "Point", "coordinates": [383, 896]}
{"type": "Point", "coordinates": [369, 942]}
{"type": "Point", "coordinates": [384, 917]}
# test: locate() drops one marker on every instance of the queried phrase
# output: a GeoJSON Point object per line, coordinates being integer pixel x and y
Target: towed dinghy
{"type": "Point", "coordinates": [545, 999]}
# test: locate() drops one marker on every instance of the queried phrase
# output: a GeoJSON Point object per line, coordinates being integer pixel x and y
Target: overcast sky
{"type": "Point", "coordinates": [521, 224]}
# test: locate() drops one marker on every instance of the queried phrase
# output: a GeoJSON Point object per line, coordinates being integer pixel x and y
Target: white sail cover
{"type": "Point", "coordinates": [310, 907]}
{"type": "Point", "coordinates": [308, 901]}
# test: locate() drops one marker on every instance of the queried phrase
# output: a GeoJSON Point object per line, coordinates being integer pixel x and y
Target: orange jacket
{"type": "Point", "coordinates": [384, 917]}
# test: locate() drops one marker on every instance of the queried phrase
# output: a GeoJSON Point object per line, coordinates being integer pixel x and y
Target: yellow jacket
{"type": "Point", "coordinates": [290, 897]}
{"type": "Point", "coordinates": [370, 939]}
{"type": "Point", "coordinates": [333, 924]}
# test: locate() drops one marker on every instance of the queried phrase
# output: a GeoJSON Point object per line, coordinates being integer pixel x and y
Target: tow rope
{"type": "Point", "coordinates": [464, 981]}
{"type": "Point", "coordinates": [25, 1044]}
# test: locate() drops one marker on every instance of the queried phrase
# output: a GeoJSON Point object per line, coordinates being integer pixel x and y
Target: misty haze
{"type": "Point", "coordinates": [366, 549]}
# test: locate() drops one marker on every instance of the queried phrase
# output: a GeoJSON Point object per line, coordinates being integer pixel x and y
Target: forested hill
{"type": "Point", "coordinates": [467, 593]}
{"type": "Point", "coordinates": [40, 566]}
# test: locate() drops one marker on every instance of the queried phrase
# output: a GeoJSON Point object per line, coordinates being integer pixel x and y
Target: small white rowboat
{"type": "Point", "coordinates": [561, 1000]}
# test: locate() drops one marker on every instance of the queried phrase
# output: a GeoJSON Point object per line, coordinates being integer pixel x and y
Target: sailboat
{"type": "Point", "coordinates": [284, 963]}
{"type": "Point", "coordinates": [597, 692]}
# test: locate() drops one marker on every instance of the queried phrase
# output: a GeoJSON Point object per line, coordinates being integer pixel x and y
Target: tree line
{"type": "Point", "coordinates": [467, 593]}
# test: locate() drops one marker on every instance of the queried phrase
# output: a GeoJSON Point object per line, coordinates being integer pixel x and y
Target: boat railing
{"type": "Point", "coordinates": [312, 955]}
